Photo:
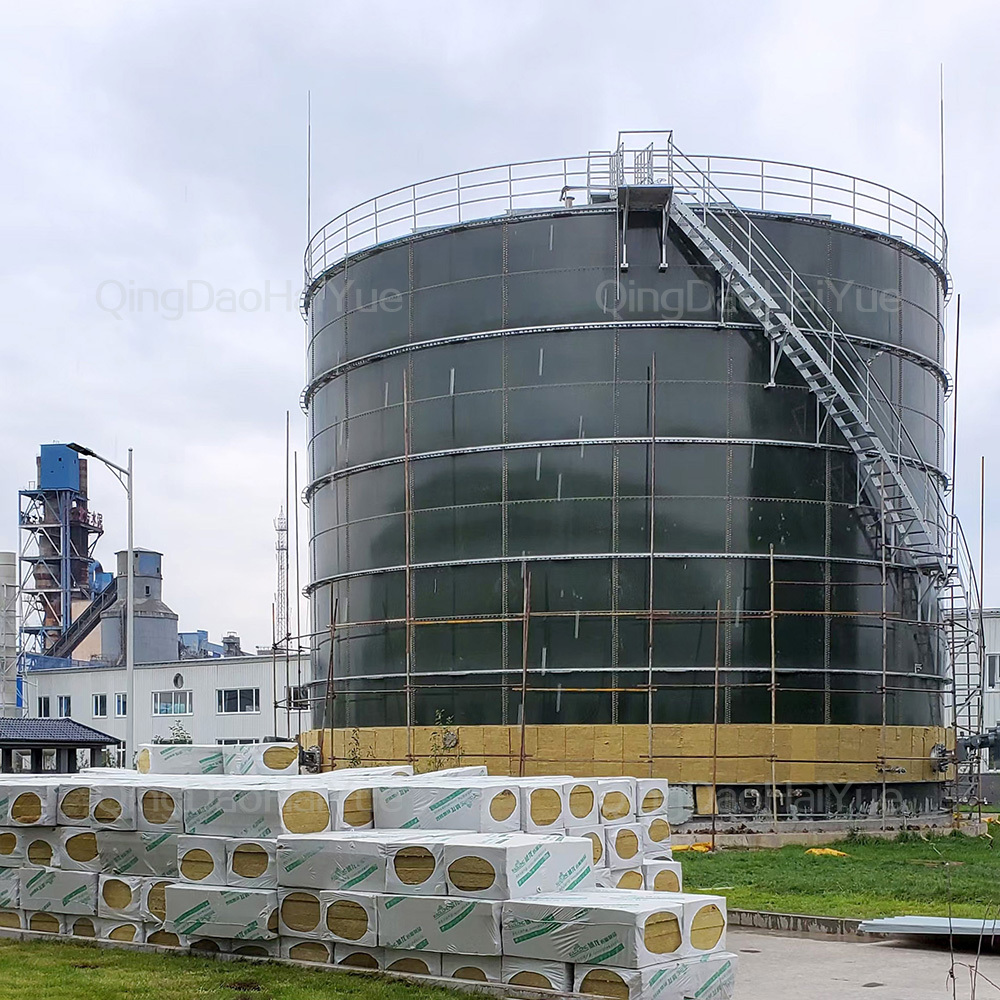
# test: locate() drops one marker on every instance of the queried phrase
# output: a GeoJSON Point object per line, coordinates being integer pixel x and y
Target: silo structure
{"type": "Point", "coordinates": [636, 462]}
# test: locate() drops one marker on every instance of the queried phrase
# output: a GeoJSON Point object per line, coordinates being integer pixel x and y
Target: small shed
{"type": "Point", "coordinates": [64, 736]}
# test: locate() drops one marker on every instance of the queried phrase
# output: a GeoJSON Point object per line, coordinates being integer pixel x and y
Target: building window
{"type": "Point", "coordinates": [65, 706]}
{"type": "Point", "coordinates": [121, 705]}
{"type": "Point", "coordinates": [241, 700]}
{"type": "Point", "coordinates": [100, 706]}
{"type": "Point", "coordinates": [234, 743]}
{"type": "Point", "coordinates": [297, 697]}
{"type": "Point", "coordinates": [992, 667]}
{"type": "Point", "coordinates": [172, 703]}
{"type": "Point", "coordinates": [43, 707]}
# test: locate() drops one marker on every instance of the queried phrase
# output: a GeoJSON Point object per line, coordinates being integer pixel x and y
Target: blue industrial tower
{"type": "Point", "coordinates": [58, 574]}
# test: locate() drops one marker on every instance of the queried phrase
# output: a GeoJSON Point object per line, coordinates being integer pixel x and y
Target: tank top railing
{"type": "Point", "coordinates": [489, 192]}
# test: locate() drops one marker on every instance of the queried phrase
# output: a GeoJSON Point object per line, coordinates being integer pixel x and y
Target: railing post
{"type": "Point", "coordinates": [510, 188]}
{"type": "Point", "coordinates": [413, 204]}
{"type": "Point", "coordinates": [458, 194]}
{"type": "Point", "coordinates": [375, 212]}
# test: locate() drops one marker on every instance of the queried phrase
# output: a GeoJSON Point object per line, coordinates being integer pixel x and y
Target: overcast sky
{"type": "Point", "coordinates": [146, 145]}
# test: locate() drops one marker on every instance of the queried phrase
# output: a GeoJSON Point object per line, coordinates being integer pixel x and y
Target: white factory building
{"type": "Point", "coordinates": [218, 700]}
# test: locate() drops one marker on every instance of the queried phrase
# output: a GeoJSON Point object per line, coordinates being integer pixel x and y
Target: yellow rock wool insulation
{"type": "Point", "coordinates": [350, 917]}
{"type": "Point", "coordinates": [252, 863]}
{"type": "Point", "coordinates": [305, 950]}
{"type": "Point", "coordinates": [358, 957]}
{"type": "Point", "coordinates": [544, 974]}
{"type": "Point", "coordinates": [623, 845]}
{"type": "Point", "coordinates": [662, 876]}
{"type": "Point", "coordinates": [413, 963]}
{"type": "Point", "coordinates": [300, 914]}
{"type": "Point", "coordinates": [202, 860]}
{"type": "Point", "coordinates": [471, 968]}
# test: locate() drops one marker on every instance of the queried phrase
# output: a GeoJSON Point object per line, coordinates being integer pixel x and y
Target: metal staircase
{"type": "Point", "coordinates": [85, 624]}
{"type": "Point", "coordinates": [906, 514]}
{"type": "Point", "coordinates": [801, 329]}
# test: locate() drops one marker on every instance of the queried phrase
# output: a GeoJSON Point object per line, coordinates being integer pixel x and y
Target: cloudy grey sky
{"type": "Point", "coordinates": [148, 145]}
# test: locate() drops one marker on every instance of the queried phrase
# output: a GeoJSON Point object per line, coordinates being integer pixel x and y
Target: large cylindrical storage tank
{"type": "Point", "coordinates": [556, 388]}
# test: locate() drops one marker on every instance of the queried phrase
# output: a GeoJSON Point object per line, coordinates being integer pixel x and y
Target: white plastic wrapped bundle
{"type": "Point", "coordinates": [662, 876]}
{"type": "Point", "coordinates": [365, 861]}
{"type": "Point", "coordinates": [582, 797]}
{"type": "Point", "coordinates": [623, 844]}
{"type": "Point", "coordinates": [616, 799]}
{"type": "Point", "coordinates": [236, 810]}
{"type": "Point", "coordinates": [621, 878]}
{"type": "Point", "coordinates": [120, 896]}
{"type": "Point", "coordinates": [179, 758]}
{"type": "Point", "coordinates": [118, 929]}
{"type": "Point", "coordinates": [160, 807]}
{"type": "Point", "coordinates": [41, 847]}
{"type": "Point", "coordinates": [138, 853]}
{"type": "Point", "coordinates": [656, 837]}
{"type": "Point", "coordinates": [252, 863]}
{"type": "Point", "coordinates": [482, 804]}
{"type": "Point", "coordinates": [350, 917]}
{"type": "Point", "coordinates": [202, 860]}
{"type": "Point", "coordinates": [704, 976]}
{"type": "Point", "coordinates": [78, 850]}
{"type": "Point", "coordinates": [621, 929]}
{"type": "Point", "coordinates": [651, 796]}
{"type": "Point", "coordinates": [509, 865]}
{"type": "Point", "coordinates": [73, 803]}
{"type": "Point", "coordinates": [261, 758]}
{"type": "Point", "coordinates": [448, 924]}
{"type": "Point", "coordinates": [543, 803]}
{"type": "Point", "coordinates": [10, 882]}
{"type": "Point", "coordinates": [50, 889]}
{"type": "Point", "coordinates": [113, 806]}
{"type": "Point", "coordinates": [13, 847]}
{"type": "Point", "coordinates": [220, 913]}
{"type": "Point", "coordinates": [24, 804]}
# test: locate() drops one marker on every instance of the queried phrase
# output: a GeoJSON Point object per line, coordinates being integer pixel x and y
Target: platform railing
{"type": "Point", "coordinates": [490, 192]}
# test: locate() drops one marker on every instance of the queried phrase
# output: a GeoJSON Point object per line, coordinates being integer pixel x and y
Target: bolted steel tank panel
{"type": "Point", "coordinates": [499, 398]}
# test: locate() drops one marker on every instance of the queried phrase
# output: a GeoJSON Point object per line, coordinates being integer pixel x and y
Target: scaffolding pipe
{"type": "Point", "coordinates": [526, 613]}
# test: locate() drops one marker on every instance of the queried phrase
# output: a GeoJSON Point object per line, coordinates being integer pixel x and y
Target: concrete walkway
{"type": "Point", "coordinates": [801, 968]}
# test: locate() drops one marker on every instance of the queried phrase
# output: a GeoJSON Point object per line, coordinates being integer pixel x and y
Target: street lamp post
{"type": "Point", "coordinates": [124, 476]}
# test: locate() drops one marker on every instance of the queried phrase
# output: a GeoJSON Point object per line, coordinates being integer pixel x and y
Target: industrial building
{"type": "Point", "coordinates": [64, 654]}
{"type": "Point", "coordinates": [215, 700]}
{"type": "Point", "coordinates": [637, 461]}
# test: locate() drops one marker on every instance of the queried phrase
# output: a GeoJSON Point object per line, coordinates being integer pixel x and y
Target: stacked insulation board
{"type": "Point", "coordinates": [552, 882]}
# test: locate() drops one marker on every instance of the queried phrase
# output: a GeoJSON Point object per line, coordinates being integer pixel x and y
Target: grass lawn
{"type": "Point", "coordinates": [44, 970]}
{"type": "Point", "coordinates": [879, 879]}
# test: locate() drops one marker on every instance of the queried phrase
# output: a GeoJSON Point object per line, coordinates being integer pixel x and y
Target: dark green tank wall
{"type": "Point", "coordinates": [527, 357]}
